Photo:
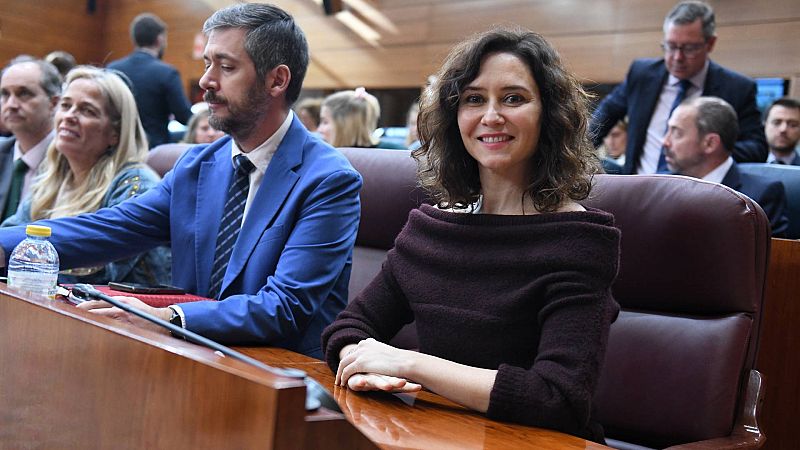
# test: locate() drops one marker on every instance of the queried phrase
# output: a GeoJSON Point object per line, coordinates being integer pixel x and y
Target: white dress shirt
{"type": "Point", "coordinates": [654, 141]}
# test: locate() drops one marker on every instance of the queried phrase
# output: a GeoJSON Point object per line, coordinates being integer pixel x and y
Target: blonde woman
{"type": "Point", "coordinates": [348, 118]}
{"type": "Point", "coordinates": [198, 130]}
{"type": "Point", "coordinates": [95, 161]}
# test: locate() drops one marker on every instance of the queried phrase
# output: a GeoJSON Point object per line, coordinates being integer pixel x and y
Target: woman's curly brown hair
{"type": "Point", "coordinates": [564, 161]}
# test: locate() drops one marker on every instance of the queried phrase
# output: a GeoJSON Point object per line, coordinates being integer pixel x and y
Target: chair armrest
{"type": "Point", "coordinates": [745, 434]}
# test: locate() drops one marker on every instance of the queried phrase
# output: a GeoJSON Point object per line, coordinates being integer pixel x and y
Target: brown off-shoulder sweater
{"type": "Point", "coordinates": [528, 296]}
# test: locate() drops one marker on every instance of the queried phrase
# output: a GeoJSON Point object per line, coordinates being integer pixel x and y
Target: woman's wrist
{"type": "Point", "coordinates": [346, 349]}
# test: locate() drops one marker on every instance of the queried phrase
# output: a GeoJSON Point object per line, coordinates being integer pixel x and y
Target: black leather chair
{"type": "Point", "coordinates": [679, 368]}
{"type": "Point", "coordinates": [790, 177]}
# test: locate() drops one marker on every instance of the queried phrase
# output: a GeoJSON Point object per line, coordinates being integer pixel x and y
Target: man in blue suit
{"type": "Point", "coordinates": [157, 85]}
{"type": "Point", "coordinates": [701, 136]}
{"type": "Point", "coordinates": [288, 271]}
{"type": "Point", "coordinates": [653, 87]}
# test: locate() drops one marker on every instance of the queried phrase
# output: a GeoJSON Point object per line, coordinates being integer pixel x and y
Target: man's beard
{"type": "Point", "coordinates": [241, 119]}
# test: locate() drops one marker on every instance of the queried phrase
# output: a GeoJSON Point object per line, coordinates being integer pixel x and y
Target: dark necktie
{"type": "Point", "coordinates": [683, 87]}
{"type": "Point", "coordinates": [231, 222]}
{"type": "Point", "coordinates": [15, 190]}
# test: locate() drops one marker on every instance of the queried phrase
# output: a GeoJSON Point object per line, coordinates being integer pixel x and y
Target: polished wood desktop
{"type": "Point", "coordinates": [71, 379]}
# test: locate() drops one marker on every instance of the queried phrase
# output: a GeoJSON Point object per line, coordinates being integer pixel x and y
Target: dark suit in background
{"type": "Point", "coordinates": [158, 92]}
{"type": "Point", "coordinates": [769, 194]}
{"type": "Point", "coordinates": [6, 167]}
{"type": "Point", "coordinates": [638, 95]}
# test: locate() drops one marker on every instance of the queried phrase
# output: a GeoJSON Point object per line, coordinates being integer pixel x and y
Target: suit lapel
{"type": "Point", "coordinates": [732, 178]}
{"type": "Point", "coordinates": [275, 188]}
{"type": "Point", "coordinates": [212, 192]}
{"type": "Point", "coordinates": [7, 160]}
{"type": "Point", "coordinates": [711, 84]}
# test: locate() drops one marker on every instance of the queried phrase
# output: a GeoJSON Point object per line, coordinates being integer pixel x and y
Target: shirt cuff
{"type": "Point", "coordinates": [179, 312]}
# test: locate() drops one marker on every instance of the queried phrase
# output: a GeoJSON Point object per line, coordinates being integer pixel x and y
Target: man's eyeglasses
{"type": "Point", "coordinates": [688, 50]}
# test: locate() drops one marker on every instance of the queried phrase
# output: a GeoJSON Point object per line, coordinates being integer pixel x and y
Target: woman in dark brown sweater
{"type": "Point", "coordinates": [508, 277]}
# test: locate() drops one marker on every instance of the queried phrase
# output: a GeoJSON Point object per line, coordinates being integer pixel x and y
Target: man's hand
{"type": "Point", "coordinates": [105, 309]}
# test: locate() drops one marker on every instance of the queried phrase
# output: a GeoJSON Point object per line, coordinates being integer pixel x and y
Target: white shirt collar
{"type": "Point", "coordinates": [788, 159]}
{"type": "Point", "coordinates": [34, 156]}
{"type": "Point", "coordinates": [718, 174]}
{"type": "Point", "coordinates": [261, 155]}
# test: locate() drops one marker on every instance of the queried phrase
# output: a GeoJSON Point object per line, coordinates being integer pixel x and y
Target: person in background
{"type": "Point", "coordinates": [62, 60]}
{"type": "Point", "coordinates": [95, 161]}
{"type": "Point", "coordinates": [412, 139]}
{"type": "Point", "coordinates": [506, 158]}
{"type": "Point", "coordinates": [614, 148]}
{"type": "Point", "coordinates": [157, 85]}
{"type": "Point", "coordinates": [199, 130]}
{"type": "Point", "coordinates": [348, 119]}
{"type": "Point", "coordinates": [782, 128]}
{"type": "Point", "coordinates": [654, 87]}
{"type": "Point", "coordinates": [699, 143]}
{"type": "Point", "coordinates": [307, 111]}
{"type": "Point", "coordinates": [29, 91]}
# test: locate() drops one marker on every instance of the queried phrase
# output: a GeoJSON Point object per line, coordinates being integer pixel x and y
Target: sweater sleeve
{"type": "Point", "coordinates": [557, 390]}
{"type": "Point", "coordinates": [378, 312]}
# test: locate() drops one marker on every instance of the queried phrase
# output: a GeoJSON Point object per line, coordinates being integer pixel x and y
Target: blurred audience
{"type": "Point", "coordinates": [307, 111]}
{"type": "Point", "coordinates": [654, 87]}
{"type": "Point", "coordinates": [95, 161]}
{"type": "Point", "coordinates": [613, 148]}
{"type": "Point", "coordinates": [29, 91]}
{"type": "Point", "coordinates": [412, 138]}
{"type": "Point", "coordinates": [199, 131]}
{"type": "Point", "coordinates": [699, 143]}
{"type": "Point", "coordinates": [62, 60]}
{"type": "Point", "coordinates": [157, 85]}
{"type": "Point", "coordinates": [349, 118]}
{"type": "Point", "coordinates": [782, 128]}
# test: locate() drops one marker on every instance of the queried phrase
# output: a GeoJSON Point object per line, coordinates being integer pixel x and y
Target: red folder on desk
{"type": "Point", "coordinates": [154, 300]}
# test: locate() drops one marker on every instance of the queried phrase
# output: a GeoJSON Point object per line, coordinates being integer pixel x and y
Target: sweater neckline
{"type": "Point", "coordinates": [590, 215]}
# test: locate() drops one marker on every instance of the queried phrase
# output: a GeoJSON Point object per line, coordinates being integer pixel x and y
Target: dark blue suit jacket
{"type": "Point", "coordinates": [638, 95]}
{"type": "Point", "coordinates": [158, 91]}
{"type": "Point", "coordinates": [769, 194]}
{"type": "Point", "coordinates": [287, 277]}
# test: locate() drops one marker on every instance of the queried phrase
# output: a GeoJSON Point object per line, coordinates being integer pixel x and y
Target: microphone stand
{"type": "Point", "coordinates": [316, 395]}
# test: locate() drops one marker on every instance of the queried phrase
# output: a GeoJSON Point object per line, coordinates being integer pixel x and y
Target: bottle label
{"type": "Point", "coordinates": [34, 283]}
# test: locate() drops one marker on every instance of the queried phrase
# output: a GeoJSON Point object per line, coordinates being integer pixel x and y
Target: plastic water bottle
{"type": "Point", "coordinates": [33, 266]}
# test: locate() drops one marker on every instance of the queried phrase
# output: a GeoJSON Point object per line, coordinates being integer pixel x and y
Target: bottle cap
{"type": "Point", "coordinates": [37, 230]}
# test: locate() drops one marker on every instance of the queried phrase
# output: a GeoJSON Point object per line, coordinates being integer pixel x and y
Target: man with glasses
{"type": "Point", "coordinates": [654, 87]}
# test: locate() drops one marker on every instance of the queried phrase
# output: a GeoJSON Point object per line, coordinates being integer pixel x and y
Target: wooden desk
{"type": "Point", "coordinates": [71, 379]}
{"type": "Point", "coordinates": [423, 420]}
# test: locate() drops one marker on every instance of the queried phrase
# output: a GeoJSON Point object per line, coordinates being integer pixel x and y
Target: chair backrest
{"type": "Point", "coordinates": [789, 176]}
{"type": "Point", "coordinates": [162, 157]}
{"type": "Point", "coordinates": [389, 193]}
{"type": "Point", "coordinates": [691, 285]}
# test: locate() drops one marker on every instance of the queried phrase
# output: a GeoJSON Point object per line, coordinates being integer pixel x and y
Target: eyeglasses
{"type": "Point", "coordinates": [688, 50]}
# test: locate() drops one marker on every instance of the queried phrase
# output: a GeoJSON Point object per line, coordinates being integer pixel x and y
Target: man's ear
{"type": "Point", "coordinates": [278, 80]}
{"type": "Point", "coordinates": [710, 44]}
{"type": "Point", "coordinates": [54, 99]}
{"type": "Point", "coordinates": [711, 142]}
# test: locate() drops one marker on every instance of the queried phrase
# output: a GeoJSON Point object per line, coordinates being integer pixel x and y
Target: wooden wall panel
{"type": "Point", "coordinates": [39, 27]}
{"type": "Point", "coordinates": [598, 38]}
{"type": "Point", "coordinates": [184, 19]}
